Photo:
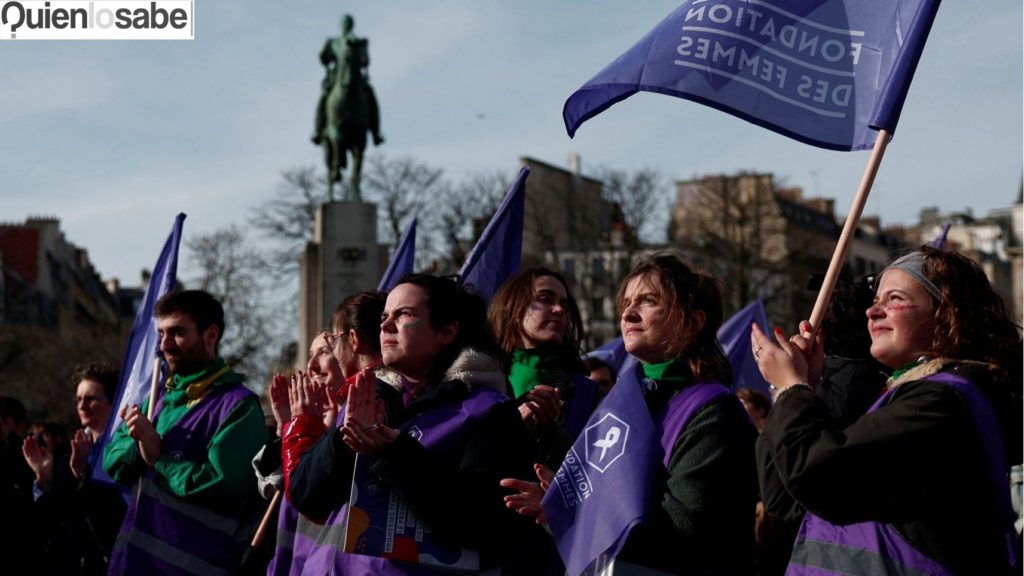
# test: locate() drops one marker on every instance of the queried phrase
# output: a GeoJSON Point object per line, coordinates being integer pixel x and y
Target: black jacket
{"type": "Point", "coordinates": [915, 463]}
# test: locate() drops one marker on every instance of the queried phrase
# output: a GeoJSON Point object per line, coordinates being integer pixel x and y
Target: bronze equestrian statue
{"type": "Point", "coordinates": [347, 109]}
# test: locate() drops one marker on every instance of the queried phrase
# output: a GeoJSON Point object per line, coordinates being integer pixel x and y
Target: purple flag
{"type": "Point", "coordinates": [401, 261]}
{"type": "Point", "coordinates": [498, 253]}
{"type": "Point", "coordinates": [602, 488]}
{"type": "Point", "coordinates": [734, 336]}
{"type": "Point", "coordinates": [829, 73]}
{"type": "Point", "coordinates": [940, 240]}
{"type": "Point", "coordinates": [143, 344]}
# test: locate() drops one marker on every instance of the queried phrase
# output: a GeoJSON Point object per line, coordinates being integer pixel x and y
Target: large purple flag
{"type": "Point", "coordinates": [830, 73]}
{"type": "Point", "coordinates": [602, 488]}
{"type": "Point", "coordinates": [401, 261]}
{"type": "Point", "coordinates": [143, 343]}
{"type": "Point", "coordinates": [734, 336]}
{"type": "Point", "coordinates": [498, 253]}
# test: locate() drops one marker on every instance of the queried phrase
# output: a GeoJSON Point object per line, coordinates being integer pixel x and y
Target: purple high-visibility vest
{"type": "Point", "coordinates": [868, 548]}
{"type": "Point", "coordinates": [578, 409]}
{"type": "Point", "coordinates": [670, 420]}
{"type": "Point", "coordinates": [165, 534]}
{"type": "Point", "coordinates": [297, 538]}
{"type": "Point", "coordinates": [444, 431]}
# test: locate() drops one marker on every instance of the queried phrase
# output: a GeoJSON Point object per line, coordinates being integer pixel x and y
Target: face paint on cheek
{"type": "Point", "coordinates": [901, 307]}
{"type": "Point", "coordinates": [412, 325]}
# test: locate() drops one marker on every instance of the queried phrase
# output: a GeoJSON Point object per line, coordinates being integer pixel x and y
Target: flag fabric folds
{"type": "Point", "coordinates": [143, 343]}
{"type": "Point", "coordinates": [498, 253]}
{"type": "Point", "coordinates": [940, 240]}
{"type": "Point", "coordinates": [602, 488]}
{"type": "Point", "coordinates": [829, 73]}
{"type": "Point", "coordinates": [401, 261]}
{"type": "Point", "coordinates": [734, 337]}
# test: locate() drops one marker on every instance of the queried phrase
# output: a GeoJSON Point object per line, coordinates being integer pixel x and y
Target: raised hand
{"type": "Point", "coordinates": [39, 460]}
{"type": "Point", "coordinates": [785, 362]}
{"type": "Point", "coordinates": [306, 397]}
{"type": "Point", "coordinates": [81, 447]}
{"type": "Point", "coordinates": [365, 430]}
{"type": "Point", "coordinates": [141, 429]}
{"type": "Point", "coordinates": [280, 404]}
{"type": "Point", "coordinates": [541, 407]}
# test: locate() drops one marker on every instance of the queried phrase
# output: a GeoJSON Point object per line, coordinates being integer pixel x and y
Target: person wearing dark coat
{"type": "Point", "coordinates": [917, 484]}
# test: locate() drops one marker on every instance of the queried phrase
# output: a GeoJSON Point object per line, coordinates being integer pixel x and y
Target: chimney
{"type": "Point", "coordinates": [574, 164]}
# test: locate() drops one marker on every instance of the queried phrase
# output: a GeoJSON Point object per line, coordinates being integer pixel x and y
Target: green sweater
{"type": "Point", "coordinates": [225, 476]}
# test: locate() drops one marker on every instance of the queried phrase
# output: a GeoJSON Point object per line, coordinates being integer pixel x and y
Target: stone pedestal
{"type": "Point", "coordinates": [343, 258]}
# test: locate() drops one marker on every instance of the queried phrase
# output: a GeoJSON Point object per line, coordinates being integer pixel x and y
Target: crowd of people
{"type": "Point", "coordinates": [885, 447]}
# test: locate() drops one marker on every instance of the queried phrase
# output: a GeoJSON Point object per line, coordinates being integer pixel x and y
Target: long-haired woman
{"type": "Point", "coordinates": [538, 326]}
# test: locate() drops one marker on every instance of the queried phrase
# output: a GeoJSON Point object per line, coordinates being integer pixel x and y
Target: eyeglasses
{"type": "Point", "coordinates": [332, 338]}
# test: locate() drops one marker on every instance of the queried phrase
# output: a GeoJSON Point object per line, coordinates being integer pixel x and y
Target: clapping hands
{"type": "Point", "coordinates": [365, 430]}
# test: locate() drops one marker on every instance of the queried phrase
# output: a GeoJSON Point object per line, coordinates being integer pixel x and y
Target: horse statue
{"type": "Point", "coordinates": [347, 109]}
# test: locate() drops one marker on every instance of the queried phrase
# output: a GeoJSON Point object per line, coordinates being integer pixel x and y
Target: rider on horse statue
{"type": "Point", "coordinates": [347, 109]}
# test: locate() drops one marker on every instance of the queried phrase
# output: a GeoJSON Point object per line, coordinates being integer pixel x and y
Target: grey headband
{"type": "Point", "coordinates": [912, 264]}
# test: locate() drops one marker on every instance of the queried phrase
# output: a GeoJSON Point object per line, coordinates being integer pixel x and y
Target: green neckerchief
{"type": "Point", "coordinates": [674, 371]}
{"type": "Point", "coordinates": [905, 368]}
{"type": "Point", "coordinates": [179, 381]}
{"type": "Point", "coordinates": [529, 368]}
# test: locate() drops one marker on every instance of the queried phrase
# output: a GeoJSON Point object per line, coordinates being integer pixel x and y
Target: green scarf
{"type": "Point", "coordinates": [905, 368]}
{"type": "Point", "coordinates": [675, 371]}
{"type": "Point", "coordinates": [529, 368]}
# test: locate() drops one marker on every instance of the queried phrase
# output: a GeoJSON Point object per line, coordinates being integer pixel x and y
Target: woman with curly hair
{"type": "Point", "coordinates": [917, 485]}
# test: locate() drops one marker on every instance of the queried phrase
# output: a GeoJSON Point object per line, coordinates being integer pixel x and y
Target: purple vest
{"type": "Point", "coordinates": [671, 420]}
{"type": "Point", "coordinates": [296, 541]}
{"type": "Point", "coordinates": [164, 534]}
{"type": "Point", "coordinates": [822, 548]}
{"type": "Point", "coordinates": [444, 431]}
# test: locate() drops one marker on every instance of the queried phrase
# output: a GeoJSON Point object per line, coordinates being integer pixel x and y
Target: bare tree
{"type": "Point", "coordinates": [403, 189]}
{"type": "Point", "coordinates": [286, 220]}
{"type": "Point", "coordinates": [462, 214]}
{"type": "Point", "coordinates": [226, 266]}
{"type": "Point", "coordinates": [733, 226]}
{"type": "Point", "coordinates": [637, 195]}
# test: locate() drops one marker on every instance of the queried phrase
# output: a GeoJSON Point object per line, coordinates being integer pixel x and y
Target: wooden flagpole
{"type": "Point", "coordinates": [262, 530]}
{"type": "Point", "coordinates": [852, 219]}
{"type": "Point", "coordinates": [153, 387]}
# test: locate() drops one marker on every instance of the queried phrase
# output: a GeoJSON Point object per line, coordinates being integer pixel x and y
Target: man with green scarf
{"type": "Point", "coordinates": [196, 504]}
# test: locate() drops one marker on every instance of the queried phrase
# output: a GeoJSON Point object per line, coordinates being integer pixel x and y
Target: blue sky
{"type": "Point", "coordinates": [115, 137]}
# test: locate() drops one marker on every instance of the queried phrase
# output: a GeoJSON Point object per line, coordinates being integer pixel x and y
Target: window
{"type": "Point", "coordinates": [569, 267]}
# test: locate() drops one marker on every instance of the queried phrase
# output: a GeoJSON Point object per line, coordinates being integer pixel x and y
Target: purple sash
{"type": "Point", "coordinates": [674, 417]}
{"type": "Point", "coordinates": [823, 548]}
{"type": "Point", "coordinates": [444, 431]}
